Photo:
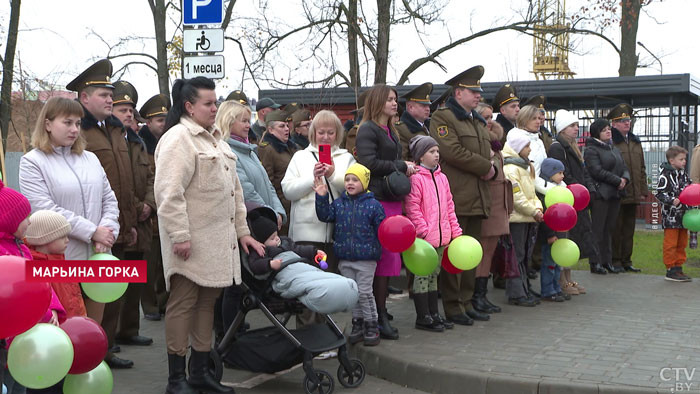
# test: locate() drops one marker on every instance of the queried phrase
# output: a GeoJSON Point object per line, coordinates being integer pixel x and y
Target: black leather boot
{"type": "Point", "coordinates": [386, 331]}
{"type": "Point", "coordinates": [596, 268]}
{"type": "Point", "coordinates": [435, 310]}
{"type": "Point", "coordinates": [200, 376]}
{"type": "Point", "coordinates": [177, 382]}
{"type": "Point", "coordinates": [479, 301]}
{"type": "Point", "coordinates": [424, 320]}
{"type": "Point", "coordinates": [357, 333]}
{"type": "Point", "coordinates": [495, 308]}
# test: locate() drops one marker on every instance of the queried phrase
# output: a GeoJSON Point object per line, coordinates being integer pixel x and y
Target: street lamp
{"type": "Point", "coordinates": [654, 56]}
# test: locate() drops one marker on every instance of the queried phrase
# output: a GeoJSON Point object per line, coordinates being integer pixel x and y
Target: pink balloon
{"type": "Point", "coordinates": [581, 196]}
{"type": "Point", "coordinates": [89, 343]}
{"type": "Point", "coordinates": [397, 233]}
{"type": "Point", "coordinates": [560, 217]}
{"type": "Point", "coordinates": [22, 303]}
{"type": "Point", "coordinates": [691, 195]}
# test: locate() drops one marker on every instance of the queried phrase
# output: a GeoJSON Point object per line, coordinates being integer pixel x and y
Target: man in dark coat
{"type": "Point", "coordinates": [264, 106]}
{"type": "Point", "coordinates": [507, 104]}
{"type": "Point", "coordinates": [636, 190]}
{"type": "Point", "coordinates": [414, 120]}
{"type": "Point", "coordinates": [465, 152]}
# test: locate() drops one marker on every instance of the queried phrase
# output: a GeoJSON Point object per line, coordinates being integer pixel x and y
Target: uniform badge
{"type": "Point", "coordinates": [516, 188]}
{"type": "Point", "coordinates": [442, 131]}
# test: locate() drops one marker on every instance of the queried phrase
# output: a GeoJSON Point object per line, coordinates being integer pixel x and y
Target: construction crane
{"type": "Point", "coordinates": [550, 50]}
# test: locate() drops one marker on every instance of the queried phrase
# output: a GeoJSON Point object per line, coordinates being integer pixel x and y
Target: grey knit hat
{"type": "Point", "coordinates": [550, 167]}
{"type": "Point", "coordinates": [419, 145]}
{"type": "Point", "coordinates": [45, 227]}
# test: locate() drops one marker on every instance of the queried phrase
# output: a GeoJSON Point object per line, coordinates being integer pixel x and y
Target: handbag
{"type": "Point", "coordinates": [396, 185]}
{"type": "Point", "coordinates": [505, 262]}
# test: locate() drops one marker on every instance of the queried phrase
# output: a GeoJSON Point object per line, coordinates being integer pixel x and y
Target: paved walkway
{"type": "Point", "coordinates": [629, 334]}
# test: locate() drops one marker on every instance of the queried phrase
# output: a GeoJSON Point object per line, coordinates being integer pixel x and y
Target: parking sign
{"type": "Point", "coordinates": [203, 12]}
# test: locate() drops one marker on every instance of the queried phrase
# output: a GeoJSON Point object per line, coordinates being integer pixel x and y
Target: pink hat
{"type": "Point", "coordinates": [14, 208]}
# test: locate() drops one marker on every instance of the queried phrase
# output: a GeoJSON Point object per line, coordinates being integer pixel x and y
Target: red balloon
{"type": "Point", "coordinates": [89, 343]}
{"type": "Point", "coordinates": [581, 196]}
{"type": "Point", "coordinates": [560, 217]}
{"type": "Point", "coordinates": [691, 195]}
{"type": "Point", "coordinates": [447, 265]}
{"type": "Point", "coordinates": [22, 303]}
{"type": "Point", "coordinates": [397, 233]}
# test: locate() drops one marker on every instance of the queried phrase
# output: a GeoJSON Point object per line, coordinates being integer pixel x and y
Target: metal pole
{"type": "Point", "coordinates": [654, 56]}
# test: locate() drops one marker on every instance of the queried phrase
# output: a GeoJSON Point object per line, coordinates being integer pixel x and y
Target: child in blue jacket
{"type": "Point", "coordinates": [357, 216]}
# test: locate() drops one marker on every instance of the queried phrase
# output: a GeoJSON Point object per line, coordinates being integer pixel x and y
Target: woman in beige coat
{"type": "Point", "coordinates": [201, 219]}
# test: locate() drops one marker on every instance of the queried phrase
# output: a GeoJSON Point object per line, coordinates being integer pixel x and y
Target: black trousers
{"type": "Point", "coordinates": [457, 289]}
{"type": "Point", "coordinates": [604, 219]}
{"type": "Point", "coordinates": [623, 237]}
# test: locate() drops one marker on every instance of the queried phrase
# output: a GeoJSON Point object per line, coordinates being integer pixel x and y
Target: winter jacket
{"type": "Point", "coordinates": [77, 187]}
{"type": "Point", "coordinates": [501, 192]}
{"type": "Point", "coordinates": [380, 154]}
{"type": "Point", "coordinates": [151, 141]}
{"type": "Point", "coordinates": [538, 153]}
{"type": "Point", "coordinates": [574, 169]}
{"type": "Point", "coordinates": [507, 126]}
{"type": "Point", "coordinates": [297, 186]}
{"type": "Point", "coordinates": [431, 208]}
{"type": "Point", "coordinates": [671, 184]}
{"type": "Point", "coordinates": [261, 264]}
{"type": "Point", "coordinates": [256, 184]}
{"type": "Point", "coordinates": [199, 200]}
{"type": "Point", "coordinates": [408, 127]}
{"type": "Point", "coordinates": [68, 293]}
{"type": "Point", "coordinates": [465, 156]}
{"type": "Point", "coordinates": [357, 220]}
{"type": "Point", "coordinates": [110, 147]}
{"type": "Point", "coordinates": [525, 201]}
{"type": "Point", "coordinates": [605, 169]}
{"type": "Point", "coordinates": [143, 190]}
{"type": "Point", "coordinates": [300, 140]}
{"type": "Point", "coordinates": [275, 156]}
{"type": "Point", "coordinates": [633, 155]}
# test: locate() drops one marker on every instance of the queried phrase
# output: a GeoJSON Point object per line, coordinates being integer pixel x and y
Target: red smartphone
{"type": "Point", "coordinates": [324, 154]}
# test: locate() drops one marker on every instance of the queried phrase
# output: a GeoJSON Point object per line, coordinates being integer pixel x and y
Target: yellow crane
{"type": "Point", "coordinates": [550, 50]}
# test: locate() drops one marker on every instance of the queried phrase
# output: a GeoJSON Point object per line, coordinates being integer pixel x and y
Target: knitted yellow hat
{"type": "Point", "coordinates": [361, 172]}
{"type": "Point", "coordinates": [46, 227]}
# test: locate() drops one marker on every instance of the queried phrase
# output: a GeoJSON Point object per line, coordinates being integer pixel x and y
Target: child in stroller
{"type": "Point", "coordinates": [277, 274]}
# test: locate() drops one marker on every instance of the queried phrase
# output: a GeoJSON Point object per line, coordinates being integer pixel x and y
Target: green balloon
{"type": "Point", "coordinates": [40, 357]}
{"type": "Point", "coordinates": [558, 194]}
{"type": "Point", "coordinates": [104, 292]}
{"type": "Point", "coordinates": [102, 256]}
{"type": "Point", "coordinates": [97, 381]}
{"type": "Point", "coordinates": [565, 252]}
{"type": "Point", "coordinates": [465, 252]}
{"type": "Point", "coordinates": [691, 220]}
{"type": "Point", "coordinates": [421, 258]}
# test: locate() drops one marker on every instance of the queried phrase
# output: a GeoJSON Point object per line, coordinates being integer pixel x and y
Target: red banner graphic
{"type": "Point", "coordinates": [95, 271]}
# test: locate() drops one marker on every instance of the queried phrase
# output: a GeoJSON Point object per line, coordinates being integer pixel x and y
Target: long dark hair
{"type": "Point", "coordinates": [185, 90]}
{"type": "Point", "coordinates": [375, 101]}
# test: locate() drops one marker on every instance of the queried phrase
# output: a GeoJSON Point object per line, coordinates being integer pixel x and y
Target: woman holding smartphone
{"type": "Point", "coordinates": [325, 135]}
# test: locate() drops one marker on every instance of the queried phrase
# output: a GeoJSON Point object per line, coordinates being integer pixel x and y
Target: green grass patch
{"type": "Point", "coordinates": [648, 255]}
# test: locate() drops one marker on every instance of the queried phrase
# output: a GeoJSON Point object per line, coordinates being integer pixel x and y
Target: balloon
{"type": "Point", "coordinates": [465, 252]}
{"type": "Point", "coordinates": [89, 343]}
{"type": "Point", "coordinates": [40, 357]}
{"type": "Point", "coordinates": [691, 220]}
{"type": "Point", "coordinates": [397, 233]}
{"type": "Point", "coordinates": [446, 265]}
{"type": "Point", "coordinates": [581, 196]}
{"type": "Point", "coordinates": [565, 252]}
{"type": "Point", "coordinates": [102, 256]}
{"type": "Point", "coordinates": [22, 303]}
{"type": "Point", "coordinates": [558, 194]}
{"type": "Point", "coordinates": [560, 217]}
{"type": "Point", "coordinates": [97, 381]}
{"type": "Point", "coordinates": [104, 292]}
{"type": "Point", "coordinates": [690, 195]}
{"type": "Point", "coordinates": [421, 258]}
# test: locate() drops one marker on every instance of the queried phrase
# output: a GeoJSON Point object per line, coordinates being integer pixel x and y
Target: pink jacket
{"type": "Point", "coordinates": [430, 207]}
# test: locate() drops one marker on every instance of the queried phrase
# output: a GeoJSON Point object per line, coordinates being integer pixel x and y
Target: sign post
{"type": "Point", "coordinates": [202, 39]}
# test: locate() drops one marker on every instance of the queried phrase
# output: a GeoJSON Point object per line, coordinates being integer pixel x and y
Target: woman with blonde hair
{"type": "Point", "coordinates": [61, 176]}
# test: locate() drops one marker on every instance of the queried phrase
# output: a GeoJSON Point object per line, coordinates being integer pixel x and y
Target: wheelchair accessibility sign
{"type": "Point", "coordinates": [203, 40]}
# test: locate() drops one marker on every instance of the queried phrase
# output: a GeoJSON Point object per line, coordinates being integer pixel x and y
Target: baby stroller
{"type": "Point", "coordinates": [276, 347]}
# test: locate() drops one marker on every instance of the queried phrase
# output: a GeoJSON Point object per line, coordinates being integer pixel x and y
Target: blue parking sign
{"type": "Point", "coordinates": [203, 12]}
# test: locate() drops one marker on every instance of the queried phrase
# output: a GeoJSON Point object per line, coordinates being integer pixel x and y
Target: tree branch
{"type": "Point", "coordinates": [245, 60]}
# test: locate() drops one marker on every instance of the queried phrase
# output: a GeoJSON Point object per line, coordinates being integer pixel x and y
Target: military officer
{"type": "Point", "coordinates": [414, 120]}
{"type": "Point", "coordinates": [264, 106]}
{"type": "Point", "coordinates": [465, 152]}
{"type": "Point", "coordinates": [301, 121]}
{"type": "Point", "coordinates": [507, 104]}
{"type": "Point", "coordinates": [238, 96]}
{"type": "Point", "coordinates": [636, 189]}
{"type": "Point", "coordinates": [351, 135]}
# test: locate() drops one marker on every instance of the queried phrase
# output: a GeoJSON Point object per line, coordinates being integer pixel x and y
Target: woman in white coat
{"type": "Point", "coordinates": [61, 176]}
{"type": "Point", "coordinates": [298, 182]}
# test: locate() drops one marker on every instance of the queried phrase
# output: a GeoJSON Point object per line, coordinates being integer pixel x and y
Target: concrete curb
{"type": "Point", "coordinates": [432, 379]}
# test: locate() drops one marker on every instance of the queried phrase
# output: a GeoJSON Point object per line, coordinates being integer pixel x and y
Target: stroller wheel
{"type": "Point", "coordinates": [325, 386]}
{"type": "Point", "coordinates": [216, 365]}
{"type": "Point", "coordinates": [354, 377]}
